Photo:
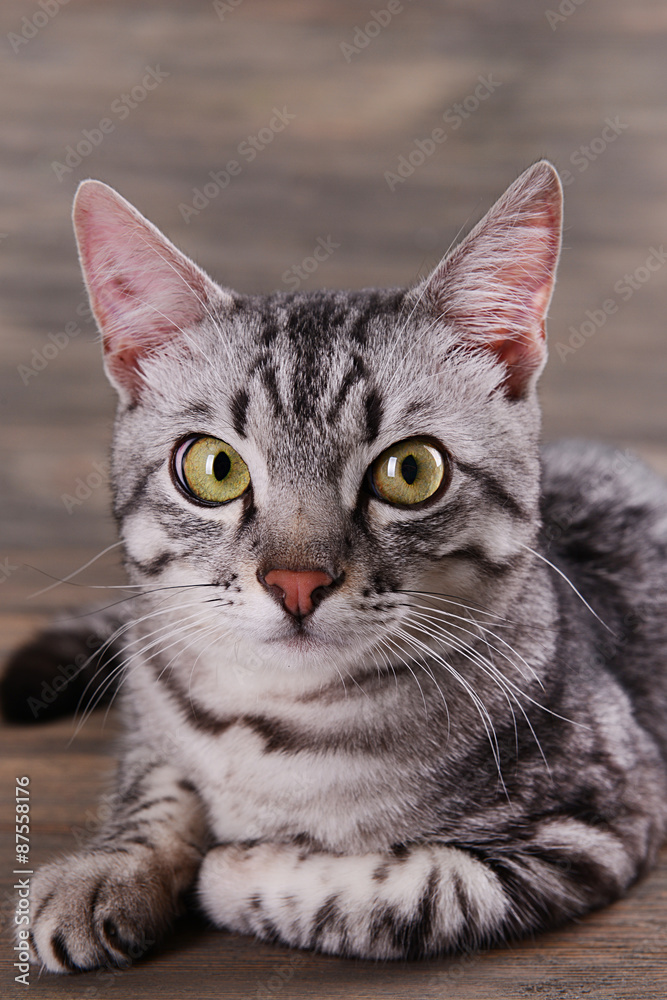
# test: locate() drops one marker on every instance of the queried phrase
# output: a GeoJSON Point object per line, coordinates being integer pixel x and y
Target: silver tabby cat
{"type": "Point", "coordinates": [394, 682]}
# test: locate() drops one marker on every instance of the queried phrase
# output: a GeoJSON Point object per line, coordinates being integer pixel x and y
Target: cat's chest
{"type": "Point", "coordinates": [352, 774]}
{"type": "Point", "coordinates": [260, 780]}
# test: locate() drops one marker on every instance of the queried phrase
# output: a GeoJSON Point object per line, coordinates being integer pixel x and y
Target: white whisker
{"type": "Point", "coordinates": [569, 583]}
{"type": "Point", "coordinates": [66, 579]}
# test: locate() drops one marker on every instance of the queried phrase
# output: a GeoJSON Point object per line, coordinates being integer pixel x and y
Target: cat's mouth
{"type": "Point", "coordinates": [303, 637]}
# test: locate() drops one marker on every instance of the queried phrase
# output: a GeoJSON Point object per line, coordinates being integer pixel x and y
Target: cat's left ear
{"type": "Point", "coordinates": [495, 287]}
{"type": "Point", "coordinates": [144, 292]}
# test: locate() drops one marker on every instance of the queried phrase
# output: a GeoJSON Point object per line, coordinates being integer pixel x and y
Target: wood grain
{"type": "Point", "coordinates": [555, 88]}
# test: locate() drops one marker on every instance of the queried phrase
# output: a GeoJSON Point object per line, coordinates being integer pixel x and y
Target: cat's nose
{"type": "Point", "coordinates": [299, 590]}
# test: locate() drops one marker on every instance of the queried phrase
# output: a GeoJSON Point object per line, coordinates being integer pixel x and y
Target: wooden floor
{"type": "Point", "coordinates": [586, 89]}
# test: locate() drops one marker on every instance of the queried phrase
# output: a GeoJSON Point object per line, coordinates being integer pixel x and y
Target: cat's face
{"type": "Point", "coordinates": [304, 463]}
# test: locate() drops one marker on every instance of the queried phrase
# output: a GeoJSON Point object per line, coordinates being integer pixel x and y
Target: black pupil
{"type": "Point", "coordinates": [221, 465]}
{"type": "Point", "coordinates": [409, 469]}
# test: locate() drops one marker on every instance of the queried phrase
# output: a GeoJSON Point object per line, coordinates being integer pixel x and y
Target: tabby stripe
{"type": "Point", "coordinates": [153, 567]}
{"type": "Point", "coordinates": [328, 917]}
{"type": "Point", "coordinates": [462, 897]}
{"type": "Point", "coordinates": [135, 790]}
{"type": "Point", "coordinates": [270, 381]}
{"type": "Point", "coordinates": [581, 882]}
{"type": "Point", "coordinates": [419, 929]}
{"type": "Point", "coordinates": [494, 491]}
{"type": "Point", "coordinates": [131, 504]}
{"type": "Point", "coordinates": [281, 739]}
{"type": "Point", "coordinates": [278, 737]}
{"type": "Point", "coordinates": [381, 873]}
{"type": "Point", "coordinates": [196, 715]}
{"type": "Point", "coordinates": [138, 824]}
{"type": "Point", "coordinates": [590, 876]}
{"type": "Point", "coordinates": [489, 567]}
{"type": "Point", "coordinates": [374, 413]}
{"type": "Point", "coordinates": [61, 953]}
{"type": "Point", "coordinates": [364, 682]}
{"type": "Point", "coordinates": [142, 842]}
{"type": "Point", "coordinates": [248, 512]}
{"type": "Point", "coordinates": [95, 895]}
{"type": "Point", "coordinates": [239, 407]}
{"type": "Point", "coordinates": [355, 374]}
{"type": "Point", "coordinates": [265, 309]}
{"type": "Point", "coordinates": [45, 902]}
{"type": "Point", "coordinates": [150, 804]}
{"type": "Point", "coordinates": [196, 411]}
{"type": "Point", "coordinates": [269, 932]}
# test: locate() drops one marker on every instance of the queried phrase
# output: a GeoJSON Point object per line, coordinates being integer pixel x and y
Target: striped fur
{"type": "Point", "coordinates": [457, 745]}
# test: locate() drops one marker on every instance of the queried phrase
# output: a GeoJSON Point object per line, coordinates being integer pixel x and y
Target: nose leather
{"type": "Point", "coordinates": [296, 588]}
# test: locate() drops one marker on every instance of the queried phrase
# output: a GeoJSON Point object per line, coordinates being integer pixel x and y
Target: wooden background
{"type": "Point", "coordinates": [556, 79]}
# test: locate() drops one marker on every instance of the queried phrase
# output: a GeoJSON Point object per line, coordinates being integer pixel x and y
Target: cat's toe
{"type": "Point", "coordinates": [96, 909]}
{"type": "Point", "coordinates": [62, 935]}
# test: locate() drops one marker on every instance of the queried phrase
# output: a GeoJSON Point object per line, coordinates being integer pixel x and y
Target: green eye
{"type": "Point", "coordinates": [211, 470]}
{"type": "Point", "coordinates": [408, 472]}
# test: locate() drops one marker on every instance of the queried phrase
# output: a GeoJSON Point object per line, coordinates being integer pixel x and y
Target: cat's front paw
{"type": "Point", "coordinates": [235, 879]}
{"type": "Point", "coordinates": [98, 909]}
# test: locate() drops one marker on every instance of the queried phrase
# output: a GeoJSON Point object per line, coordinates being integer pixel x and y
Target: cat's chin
{"type": "Point", "coordinates": [304, 649]}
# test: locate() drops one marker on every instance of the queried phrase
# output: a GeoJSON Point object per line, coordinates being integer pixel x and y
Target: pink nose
{"type": "Point", "coordinates": [296, 588]}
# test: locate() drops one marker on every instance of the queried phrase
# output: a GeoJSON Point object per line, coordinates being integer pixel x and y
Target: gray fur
{"type": "Point", "coordinates": [455, 747]}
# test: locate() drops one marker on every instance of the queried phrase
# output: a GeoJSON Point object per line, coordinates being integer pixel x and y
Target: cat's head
{"type": "Point", "coordinates": [304, 462]}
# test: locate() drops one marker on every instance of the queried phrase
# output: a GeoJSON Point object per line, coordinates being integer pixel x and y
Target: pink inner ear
{"type": "Point", "coordinates": [144, 292]}
{"type": "Point", "coordinates": [496, 285]}
{"type": "Point", "coordinates": [521, 347]}
{"type": "Point", "coordinates": [520, 357]}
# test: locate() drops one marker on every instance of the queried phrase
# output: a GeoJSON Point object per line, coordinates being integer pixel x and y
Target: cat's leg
{"type": "Point", "coordinates": [420, 900]}
{"type": "Point", "coordinates": [106, 904]}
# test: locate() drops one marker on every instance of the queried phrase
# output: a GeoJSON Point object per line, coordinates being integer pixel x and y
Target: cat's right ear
{"type": "Point", "coordinates": [145, 294]}
{"type": "Point", "coordinates": [494, 288]}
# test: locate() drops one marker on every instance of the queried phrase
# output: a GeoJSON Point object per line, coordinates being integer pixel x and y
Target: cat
{"type": "Point", "coordinates": [393, 678]}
